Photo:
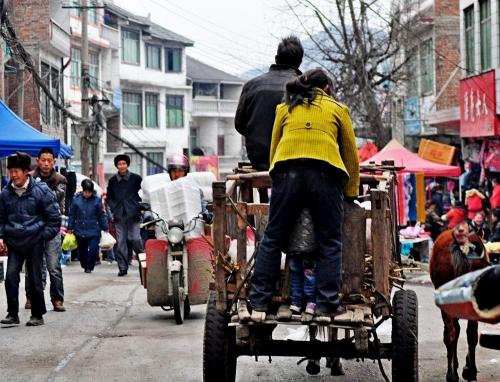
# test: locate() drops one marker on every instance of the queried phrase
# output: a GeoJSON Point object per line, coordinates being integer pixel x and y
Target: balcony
{"type": "Point", "coordinates": [112, 35]}
{"type": "Point", "coordinates": [60, 40]}
{"type": "Point", "coordinates": [214, 107]}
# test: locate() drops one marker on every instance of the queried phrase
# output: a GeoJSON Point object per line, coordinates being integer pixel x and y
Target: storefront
{"type": "Point", "coordinates": [479, 129]}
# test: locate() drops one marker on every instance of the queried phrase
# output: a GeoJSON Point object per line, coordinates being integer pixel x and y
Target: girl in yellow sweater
{"type": "Point", "coordinates": [313, 163]}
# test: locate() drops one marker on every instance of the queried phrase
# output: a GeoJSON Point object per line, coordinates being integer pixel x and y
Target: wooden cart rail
{"type": "Point", "coordinates": [234, 209]}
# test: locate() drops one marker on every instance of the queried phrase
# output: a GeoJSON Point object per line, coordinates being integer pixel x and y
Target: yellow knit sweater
{"type": "Point", "coordinates": [322, 131]}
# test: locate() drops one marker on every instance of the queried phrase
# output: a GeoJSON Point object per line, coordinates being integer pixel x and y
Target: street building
{"type": "Point", "coordinates": [480, 85]}
{"type": "Point", "coordinates": [44, 30]}
{"type": "Point", "coordinates": [214, 101]}
{"type": "Point", "coordinates": [427, 103]}
{"type": "Point", "coordinates": [153, 92]}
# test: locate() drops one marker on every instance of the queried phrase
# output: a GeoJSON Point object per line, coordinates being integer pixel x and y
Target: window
{"type": "Point", "coordinates": [485, 22]}
{"type": "Point", "coordinates": [173, 60]}
{"type": "Point", "coordinates": [426, 68]}
{"type": "Point", "coordinates": [132, 110]}
{"type": "Point", "coordinates": [175, 111]}
{"type": "Point", "coordinates": [94, 70]}
{"type": "Point", "coordinates": [151, 168]}
{"type": "Point", "coordinates": [130, 47]}
{"type": "Point", "coordinates": [204, 90]}
{"type": "Point", "coordinates": [91, 13]}
{"type": "Point", "coordinates": [412, 68]}
{"type": "Point", "coordinates": [153, 57]}
{"type": "Point", "coordinates": [51, 78]}
{"type": "Point", "coordinates": [469, 40]}
{"type": "Point", "coordinates": [151, 110]}
{"type": "Point", "coordinates": [135, 163]}
{"type": "Point", "coordinates": [76, 68]}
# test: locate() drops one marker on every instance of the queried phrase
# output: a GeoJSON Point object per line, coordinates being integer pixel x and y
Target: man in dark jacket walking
{"type": "Point", "coordinates": [45, 172]}
{"type": "Point", "coordinates": [29, 217]}
{"type": "Point", "coordinates": [123, 200]}
{"type": "Point", "coordinates": [256, 108]}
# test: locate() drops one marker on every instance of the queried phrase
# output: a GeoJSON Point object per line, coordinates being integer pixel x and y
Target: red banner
{"type": "Point", "coordinates": [205, 163]}
{"type": "Point", "coordinates": [478, 116]}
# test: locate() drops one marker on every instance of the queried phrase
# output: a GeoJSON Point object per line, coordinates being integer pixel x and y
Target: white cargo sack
{"type": "Point", "coordinates": [107, 241]}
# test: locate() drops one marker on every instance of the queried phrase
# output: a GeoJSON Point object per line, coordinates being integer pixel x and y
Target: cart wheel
{"type": "Point", "coordinates": [405, 336]}
{"type": "Point", "coordinates": [187, 307]}
{"type": "Point", "coordinates": [219, 342]}
{"type": "Point", "coordinates": [178, 298]}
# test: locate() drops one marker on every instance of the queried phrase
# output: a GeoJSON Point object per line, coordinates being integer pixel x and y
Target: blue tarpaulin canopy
{"type": "Point", "coordinates": [17, 135]}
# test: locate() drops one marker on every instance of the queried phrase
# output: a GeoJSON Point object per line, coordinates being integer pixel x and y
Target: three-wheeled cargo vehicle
{"type": "Point", "coordinates": [371, 269]}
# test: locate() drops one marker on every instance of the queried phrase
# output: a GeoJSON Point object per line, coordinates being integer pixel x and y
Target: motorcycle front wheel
{"type": "Point", "coordinates": [178, 298]}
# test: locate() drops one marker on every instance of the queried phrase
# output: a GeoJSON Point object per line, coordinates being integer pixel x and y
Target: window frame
{"type": "Point", "coordinates": [152, 169]}
{"type": "Point", "coordinates": [469, 28]}
{"type": "Point", "coordinates": [94, 70]}
{"type": "Point", "coordinates": [76, 68]}
{"type": "Point", "coordinates": [485, 34]}
{"type": "Point", "coordinates": [171, 106]}
{"type": "Point", "coordinates": [148, 63]}
{"type": "Point", "coordinates": [427, 67]}
{"type": "Point", "coordinates": [124, 32]}
{"type": "Point", "coordinates": [147, 96]}
{"type": "Point", "coordinates": [136, 162]}
{"type": "Point", "coordinates": [170, 67]}
{"type": "Point", "coordinates": [126, 122]}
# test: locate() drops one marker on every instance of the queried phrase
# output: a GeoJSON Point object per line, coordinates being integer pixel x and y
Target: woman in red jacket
{"type": "Point", "coordinates": [455, 215]}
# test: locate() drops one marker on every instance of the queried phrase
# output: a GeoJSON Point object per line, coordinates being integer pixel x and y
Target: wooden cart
{"type": "Point", "coordinates": [369, 274]}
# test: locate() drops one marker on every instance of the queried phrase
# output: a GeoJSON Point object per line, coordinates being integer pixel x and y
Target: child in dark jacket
{"type": "Point", "coordinates": [86, 220]}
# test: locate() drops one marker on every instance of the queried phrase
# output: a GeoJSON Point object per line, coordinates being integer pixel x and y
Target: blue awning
{"type": "Point", "coordinates": [17, 135]}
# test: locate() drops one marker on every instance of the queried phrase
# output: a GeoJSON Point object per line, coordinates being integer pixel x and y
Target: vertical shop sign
{"type": "Point", "coordinates": [478, 116]}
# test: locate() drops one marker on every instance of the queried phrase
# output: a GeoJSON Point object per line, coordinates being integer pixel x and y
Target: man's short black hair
{"type": "Point", "coordinates": [290, 52]}
{"type": "Point", "coordinates": [46, 150]}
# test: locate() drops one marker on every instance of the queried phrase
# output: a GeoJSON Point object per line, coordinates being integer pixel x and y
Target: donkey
{"type": "Point", "coordinates": [455, 253]}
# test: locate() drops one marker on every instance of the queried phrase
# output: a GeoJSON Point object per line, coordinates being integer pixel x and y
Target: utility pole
{"type": "Point", "coordinates": [84, 143]}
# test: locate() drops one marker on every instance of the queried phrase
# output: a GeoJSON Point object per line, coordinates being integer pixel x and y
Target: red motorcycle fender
{"type": "Point", "coordinates": [157, 272]}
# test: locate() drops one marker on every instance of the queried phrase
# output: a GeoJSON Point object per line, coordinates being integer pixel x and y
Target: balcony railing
{"type": "Point", "coordinates": [60, 40]}
{"type": "Point", "coordinates": [214, 107]}
{"type": "Point", "coordinates": [112, 35]}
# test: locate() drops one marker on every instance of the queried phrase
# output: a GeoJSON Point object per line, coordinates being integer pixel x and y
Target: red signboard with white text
{"type": "Point", "coordinates": [478, 116]}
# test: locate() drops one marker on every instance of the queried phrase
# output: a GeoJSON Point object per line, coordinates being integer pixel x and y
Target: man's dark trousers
{"type": "Point", "coordinates": [318, 185]}
{"type": "Point", "coordinates": [33, 257]}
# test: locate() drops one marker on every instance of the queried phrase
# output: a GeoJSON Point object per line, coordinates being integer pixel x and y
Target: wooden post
{"type": "Point", "coordinates": [380, 242]}
{"type": "Point", "coordinates": [219, 225]}
{"type": "Point", "coordinates": [242, 244]}
{"type": "Point", "coordinates": [353, 248]}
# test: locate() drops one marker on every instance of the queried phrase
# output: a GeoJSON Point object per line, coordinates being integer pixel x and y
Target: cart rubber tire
{"type": "Point", "coordinates": [187, 307]}
{"type": "Point", "coordinates": [219, 343]}
{"type": "Point", "coordinates": [178, 298]}
{"type": "Point", "coordinates": [405, 336]}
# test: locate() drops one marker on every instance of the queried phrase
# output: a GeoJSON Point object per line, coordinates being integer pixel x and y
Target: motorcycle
{"type": "Point", "coordinates": [165, 266]}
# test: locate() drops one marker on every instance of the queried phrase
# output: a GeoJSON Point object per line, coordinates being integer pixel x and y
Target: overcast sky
{"type": "Point", "coordinates": [232, 35]}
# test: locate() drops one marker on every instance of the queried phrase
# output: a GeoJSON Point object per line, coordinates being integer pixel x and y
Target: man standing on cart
{"type": "Point", "coordinates": [313, 163]}
{"type": "Point", "coordinates": [259, 98]}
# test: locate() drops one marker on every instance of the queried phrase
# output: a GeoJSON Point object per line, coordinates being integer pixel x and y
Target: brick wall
{"type": "Point", "coordinates": [31, 22]}
{"type": "Point", "coordinates": [447, 56]}
{"type": "Point", "coordinates": [446, 8]}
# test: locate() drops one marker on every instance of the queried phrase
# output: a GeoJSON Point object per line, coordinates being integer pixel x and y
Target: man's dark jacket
{"type": "Point", "coordinates": [123, 197]}
{"type": "Point", "coordinates": [29, 218]}
{"type": "Point", "coordinates": [256, 110]}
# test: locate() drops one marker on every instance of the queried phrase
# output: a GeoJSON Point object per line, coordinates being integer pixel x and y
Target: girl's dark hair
{"type": "Point", "coordinates": [87, 185]}
{"type": "Point", "coordinates": [304, 87]}
{"type": "Point", "coordinates": [496, 213]}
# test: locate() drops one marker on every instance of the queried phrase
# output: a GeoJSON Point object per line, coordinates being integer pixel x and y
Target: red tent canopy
{"type": "Point", "coordinates": [412, 162]}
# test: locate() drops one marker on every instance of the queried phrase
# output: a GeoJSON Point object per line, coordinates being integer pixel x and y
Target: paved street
{"type": "Point", "coordinates": [109, 333]}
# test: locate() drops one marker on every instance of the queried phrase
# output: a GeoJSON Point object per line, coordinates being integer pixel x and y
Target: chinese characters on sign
{"type": "Point", "coordinates": [478, 106]}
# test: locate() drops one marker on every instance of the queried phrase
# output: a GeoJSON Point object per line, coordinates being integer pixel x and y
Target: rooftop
{"type": "Point", "coordinates": [201, 72]}
{"type": "Point", "coordinates": [155, 30]}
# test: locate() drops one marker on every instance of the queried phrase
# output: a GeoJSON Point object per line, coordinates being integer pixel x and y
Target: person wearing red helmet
{"type": "Point", "coordinates": [178, 167]}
